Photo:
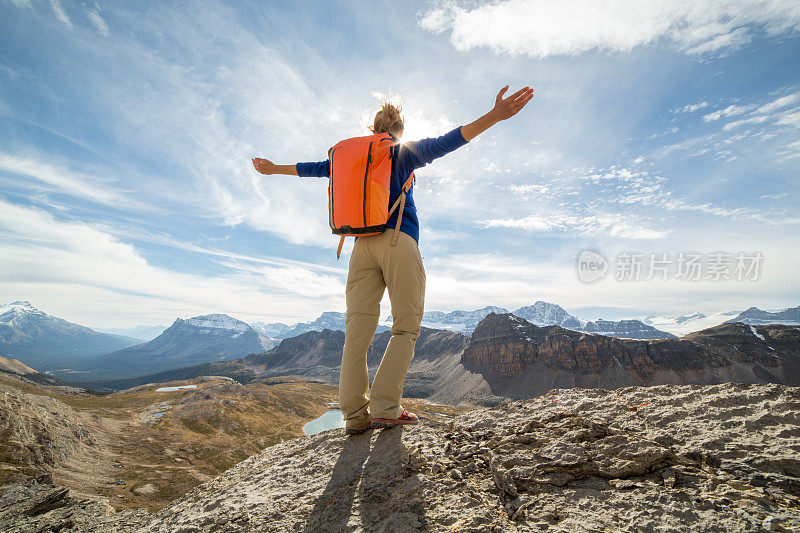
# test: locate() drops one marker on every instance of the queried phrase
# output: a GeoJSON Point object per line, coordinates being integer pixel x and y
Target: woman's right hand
{"type": "Point", "coordinates": [264, 166]}
{"type": "Point", "coordinates": [508, 107]}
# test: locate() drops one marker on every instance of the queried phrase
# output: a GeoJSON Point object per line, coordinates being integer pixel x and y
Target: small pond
{"type": "Point", "coordinates": [330, 420]}
{"type": "Point", "coordinates": [170, 389]}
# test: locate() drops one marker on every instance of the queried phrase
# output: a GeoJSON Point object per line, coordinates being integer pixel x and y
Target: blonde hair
{"type": "Point", "coordinates": [389, 119]}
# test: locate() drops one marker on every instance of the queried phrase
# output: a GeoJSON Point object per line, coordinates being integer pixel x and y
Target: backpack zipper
{"type": "Point", "coordinates": [330, 188]}
{"type": "Point", "coordinates": [366, 174]}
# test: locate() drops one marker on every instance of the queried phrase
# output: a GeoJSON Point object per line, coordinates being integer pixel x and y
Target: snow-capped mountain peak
{"type": "Point", "coordinates": [20, 307]}
{"type": "Point", "coordinates": [219, 321]}
{"type": "Point", "coordinates": [755, 316]}
{"type": "Point", "coordinates": [23, 304]}
{"type": "Point", "coordinates": [693, 316]}
{"type": "Point", "coordinates": [46, 341]}
{"type": "Point", "coordinates": [272, 330]}
{"type": "Point", "coordinates": [22, 314]}
{"type": "Point", "coordinates": [545, 314]}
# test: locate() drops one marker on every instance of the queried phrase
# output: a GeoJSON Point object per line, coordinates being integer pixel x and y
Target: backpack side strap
{"type": "Point", "coordinates": [339, 249]}
{"type": "Point", "coordinates": [402, 201]}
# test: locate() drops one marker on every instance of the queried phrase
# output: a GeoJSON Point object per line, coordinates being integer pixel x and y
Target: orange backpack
{"type": "Point", "coordinates": [358, 190]}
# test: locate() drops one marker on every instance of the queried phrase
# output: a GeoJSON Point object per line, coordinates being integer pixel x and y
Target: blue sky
{"type": "Point", "coordinates": [126, 132]}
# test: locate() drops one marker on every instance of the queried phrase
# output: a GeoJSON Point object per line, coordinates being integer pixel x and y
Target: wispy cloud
{"type": "Point", "coordinates": [98, 22]}
{"type": "Point", "coordinates": [608, 224]}
{"type": "Point", "coordinates": [690, 108]}
{"type": "Point", "coordinates": [778, 103]}
{"type": "Point", "coordinates": [62, 180]}
{"type": "Point", "coordinates": [592, 203]}
{"type": "Point", "coordinates": [541, 28]}
{"type": "Point", "coordinates": [49, 251]}
{"type": "Point", "coordinates": [730, 111]}
{"type": "Point", "coordinates": [27, 4]}
{"type": "Point", "coordinates": [642, 188]}
{"type": "Point", "coordinates": [766, 128]}
{"type": "Point", "coordinates": [60, 14]}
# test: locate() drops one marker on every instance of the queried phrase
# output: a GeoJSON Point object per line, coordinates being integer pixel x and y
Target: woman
{"type": "Point", "coordinates": [376, 266]}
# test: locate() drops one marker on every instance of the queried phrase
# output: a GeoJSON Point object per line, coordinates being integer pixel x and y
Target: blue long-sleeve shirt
{"type": "Point", "coordinates": [408, 157]}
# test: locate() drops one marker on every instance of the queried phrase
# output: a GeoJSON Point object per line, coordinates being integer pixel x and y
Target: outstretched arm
{"type": "Point", "coordinates": [265, 166]}
{"type": "Point", "coordinates": [424, 151]}
{"type": "Point", "coordinates": [503, 109]}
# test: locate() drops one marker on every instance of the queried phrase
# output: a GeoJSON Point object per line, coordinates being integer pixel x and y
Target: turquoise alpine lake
{"type": "Point", "coordinates": [330, 420]}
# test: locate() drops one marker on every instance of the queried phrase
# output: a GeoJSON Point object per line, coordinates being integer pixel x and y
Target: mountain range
{"type": "Point", "coordinates": [26, 333]}
{"type": "Point", "coordinates": [542, 314]}
{"type": "Point", "coordinates": [186, 342]}
{"type": "Point", "coordinates": [327, 320]}
{"type": "Point", "coordinates": [47, 342]}
{"type": "Point", "coordinates": [508, 357]}
{"type": "Point", "coordinates": [756, 317]}
{"type": "Point", "coordinates": [683, 324]}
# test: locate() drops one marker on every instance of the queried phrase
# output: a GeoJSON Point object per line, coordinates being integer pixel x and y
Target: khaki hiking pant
{"type": "Point", "coordinates": [375, 265]}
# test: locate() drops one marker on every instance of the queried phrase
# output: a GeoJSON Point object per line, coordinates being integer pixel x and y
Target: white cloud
{"type": "Point", "coordinates": [690, 108]}
{"type": "Point", "coordinates": [98, 22]}
{"type": "Point", "coordinates": [755, 122]}
{"type": "Point", "coordinates": [470, 281]}
{"type": "Point", "coordinates": [63, 180]}
{"type": "Point", "coordinates": [783, 101]}
{"type": "Point", "coordinates": [732, 40]}
{"type": "Point", "coordinates": [742, 122]}
{"type": "Point", "coordinates": [60, 14]}
{"type": "Point", "coordinates": [791, 118]}
{"type": "Point", "coordinates": [607, 224]}
{"type": "Point", "coordinates": [641, 188]}
{"type": "Point", "coordinates": [40, 251]}
{"type": "Point", "coordinates": [592, 202]}
{"type": "Point", "coordinates": [542, 28]}
{"type": "Point", "coordinates": [531, 189]}
{"type": "Point", "coordinates": [790, 151]}
{"type": "Point", "coordinates": [730, 111]}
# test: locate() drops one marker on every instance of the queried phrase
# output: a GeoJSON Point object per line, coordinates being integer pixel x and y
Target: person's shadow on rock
{"type": "Point", "coordinates": [333, 508]}
{"type": "Point", "coordinates": [390, 490]}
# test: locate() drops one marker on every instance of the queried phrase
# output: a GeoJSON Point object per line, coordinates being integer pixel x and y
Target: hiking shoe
{"type": "Point", "coordinates": [404, 419]}
{"type": "Point", "coordinates": [358, 430]}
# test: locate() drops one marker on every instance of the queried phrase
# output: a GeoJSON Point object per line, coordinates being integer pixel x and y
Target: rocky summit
{"type": "Point", "coordinates": [665, 458]}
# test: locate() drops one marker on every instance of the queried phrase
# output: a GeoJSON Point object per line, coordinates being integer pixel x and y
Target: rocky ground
{"type": "Point", "coordinates": [141, 447]}
{"type": "Point", "coordinates": [42, 435]}
{"type": "Point", "coordinates": [665, 458]}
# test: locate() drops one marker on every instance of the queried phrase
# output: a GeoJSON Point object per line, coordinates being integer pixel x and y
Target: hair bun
{"type": "Point", "coordinates": [388, 119]}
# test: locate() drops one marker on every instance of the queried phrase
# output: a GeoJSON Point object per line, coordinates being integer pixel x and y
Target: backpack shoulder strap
{"type": "Point", "coordinates": [402, 201]}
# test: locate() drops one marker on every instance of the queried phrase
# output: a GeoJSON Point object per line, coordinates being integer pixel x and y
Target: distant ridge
{"type": "Point", "coordinates": [522, 360]}
{"type": "Point", "coordinates": [187, 342]}
{"type": "Point", "coordinates": [14, 366]}
{"type": "Point", "coordinates": [756, 317]}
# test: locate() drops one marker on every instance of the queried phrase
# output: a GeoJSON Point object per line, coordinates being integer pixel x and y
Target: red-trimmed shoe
{"type": "Point", "coordinates": [359, 430]}
{"type": "Point", "coordinates": [404, 419]}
